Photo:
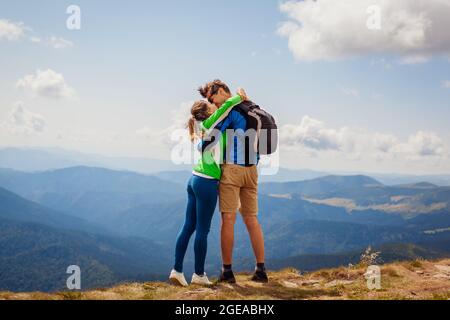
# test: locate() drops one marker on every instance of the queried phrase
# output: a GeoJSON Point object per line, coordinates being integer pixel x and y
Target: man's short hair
{"type": "Point", "coordinates": [213, 87]}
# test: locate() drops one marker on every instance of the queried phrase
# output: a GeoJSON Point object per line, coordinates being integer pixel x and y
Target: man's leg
{"type": "Point", "coordinates": [257, 239]}
{"type": "Point", "coordinates": [229, 203]}
{"type": "Point", "coordinates": [256, 236]}
{"type": "Point", "coordinates": [249, 211]}
{"type": "Point", "coordinates": [227, 237]}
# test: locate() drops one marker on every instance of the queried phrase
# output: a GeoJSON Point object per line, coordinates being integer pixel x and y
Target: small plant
{"type": "Point", "coordinates": [349, 268]}
{"type": "Point", "coordinates": [370, 257]}
{"type": "Point", "coordinates": [416, 263]}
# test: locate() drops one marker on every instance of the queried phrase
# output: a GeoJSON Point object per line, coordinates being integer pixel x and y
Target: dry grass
{"type": "Point", "coordinates": [390, 272]}
{"type": "Point", "coordinates": [418, 280]}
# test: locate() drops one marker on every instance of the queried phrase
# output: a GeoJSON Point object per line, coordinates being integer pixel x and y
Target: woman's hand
{"type": "Point", "coordinates": [243, 94]}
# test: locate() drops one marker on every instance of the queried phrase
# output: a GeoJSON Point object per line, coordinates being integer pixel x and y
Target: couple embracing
{"type": "Point", "coordinates": [227, 169]}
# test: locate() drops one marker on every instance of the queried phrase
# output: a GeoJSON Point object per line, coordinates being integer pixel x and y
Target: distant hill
{"type": "Point", "coordinates": [181, 177]}
{"type": "Point", "coordinates": [419, 185]}
{"type": "Point", "coordinates": [398, 179]}
{"type": "Point", "coordinates": [327, 216]}
{"type": "Point", "coordinates": [361, 193]}
{"type": "Point", "coordinates": [388, 253]}
{"type": "Point", "coordinates": [90, 193]}
{"type": "Point", "coordinates": [83, 178]}
{"type": "Point", "coordinates": [287, 175]}
{"type": "Point", "coordinates": [34, 257]}
{"type": "Point", "coordinates": [37, 244]}
{"type": "Point", "coordinates": [43, 159]}
{"type": "Point", "coordinates": [283, 175]}
{"type": "Point", "coordinates": [153, 207]}
{"type": "Point", "coordinates": [19, 209]}
{"type": "Point", "coordinates": [319, 185]}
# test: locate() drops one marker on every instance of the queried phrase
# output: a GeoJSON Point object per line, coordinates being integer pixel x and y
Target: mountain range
{"type": "Point", "coordinates": [37, 244]}
{"type": "Point", "coordinates": [44, 159]}
{"type": "Point", "coordinates": [122, 225]}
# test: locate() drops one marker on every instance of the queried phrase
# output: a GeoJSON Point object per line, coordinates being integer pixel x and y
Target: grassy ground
{"type": "Point", "coordinates": [416, 280]}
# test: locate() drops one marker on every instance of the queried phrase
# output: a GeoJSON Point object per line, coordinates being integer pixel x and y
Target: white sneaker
{"type": "Point", "coordinates": [201, 280]}
{"type": "Point", "coordinates": [177, 279]}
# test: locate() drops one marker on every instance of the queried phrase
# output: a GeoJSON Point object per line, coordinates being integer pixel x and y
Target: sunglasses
{"type": "Point", "coordinates": [213, 92]}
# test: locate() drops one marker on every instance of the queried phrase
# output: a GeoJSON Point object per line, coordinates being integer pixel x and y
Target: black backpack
{"type": "Point", "coordinates": [264, 124]}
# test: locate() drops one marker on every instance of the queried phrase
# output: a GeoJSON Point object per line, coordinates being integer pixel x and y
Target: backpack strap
{"type": "Point", "coordinates": [247, 108]}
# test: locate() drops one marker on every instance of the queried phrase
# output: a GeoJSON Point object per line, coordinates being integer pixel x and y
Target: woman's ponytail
{"type": "Point", "coordinates": [191, 127]}
{"type": "Point", "coordinates": [200, 112]}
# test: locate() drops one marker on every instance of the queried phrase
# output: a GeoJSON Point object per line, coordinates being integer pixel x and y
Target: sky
{"type": "Point", "coordinates": [355, 85]}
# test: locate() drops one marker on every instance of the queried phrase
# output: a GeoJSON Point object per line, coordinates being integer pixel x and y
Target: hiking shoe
{"type": "Point", "coordinates": [178, 279]}
{"type": "Point", "coordinates": [227, 276]}
{"type": "Point", "coordinates": [200, 280]}
{"type": "Point", "coordinates": [260, 276]}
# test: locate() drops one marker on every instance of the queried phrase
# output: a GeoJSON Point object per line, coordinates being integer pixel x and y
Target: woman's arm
{"type": "Point", "coordinates": [221, 113]}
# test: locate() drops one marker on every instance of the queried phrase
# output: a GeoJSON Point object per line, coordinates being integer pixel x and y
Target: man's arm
{"type": "Point", "coordinates": [221, 113]}
{"type": "Point", "coordinates": [212, 137]}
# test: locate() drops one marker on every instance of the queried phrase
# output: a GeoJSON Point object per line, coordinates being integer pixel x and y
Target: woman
{"type": "Point", "coordinates": [202, 196]}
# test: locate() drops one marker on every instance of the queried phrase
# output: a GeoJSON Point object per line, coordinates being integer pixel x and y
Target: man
{"type": "Point", "coordinates": [238, 188]}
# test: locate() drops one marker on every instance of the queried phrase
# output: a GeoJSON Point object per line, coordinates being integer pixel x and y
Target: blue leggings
{"type": "Point", "coordinates": [202, 201]}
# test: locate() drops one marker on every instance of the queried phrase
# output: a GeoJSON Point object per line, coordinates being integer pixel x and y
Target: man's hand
{"type": "Point", "coordinates": [243, 94]}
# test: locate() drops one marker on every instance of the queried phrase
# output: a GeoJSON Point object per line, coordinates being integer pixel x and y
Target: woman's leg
{"type": "Point", "coordinates": [188, 229]}
{"type": "Point", "coordinates": [206, 194]}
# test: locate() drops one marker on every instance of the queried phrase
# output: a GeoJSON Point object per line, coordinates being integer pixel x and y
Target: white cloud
{"type": "Point", "coordinates": [314, 137]}
{"type": "Point", "coordinates": [311, 133]}
{"type": "Point", "coordinates": [11, 31]}
{"type": "Point", "coordinates": [21, 121]}
{"type": "Point", "coordinates": [423, 144]}
{"type": "Point", "coordinates": [46, 83]}
{"type": "Point", "coordinates": [330, 30]}
{"type": "Point", "coordinates": [59, 43]}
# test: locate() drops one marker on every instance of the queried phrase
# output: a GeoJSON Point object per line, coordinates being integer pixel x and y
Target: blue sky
{"type": "Point", "coordinates": [135, 67]}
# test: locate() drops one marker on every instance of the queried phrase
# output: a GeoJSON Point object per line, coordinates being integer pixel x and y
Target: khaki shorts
{"type": "Point", "coordinates": [238, 190]}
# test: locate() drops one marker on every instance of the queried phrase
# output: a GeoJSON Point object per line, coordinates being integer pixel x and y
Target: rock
{"type": "Point", "coordinates": [441, 276]}
{"type": "Point", "coordinates": [309, 282]}
{"type": "Point", "coordinates": [227, 285]}
{"type": "Point", "coordinates": [442, 268]}
{"type": "Point", "coordinates": [338, 283]}
{"type": "Point", "coordinates": [420, 272]}
{"type": "Point", "coordinates": [289, 284]}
